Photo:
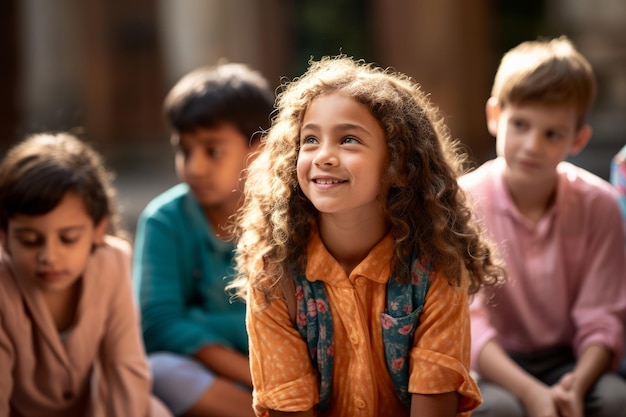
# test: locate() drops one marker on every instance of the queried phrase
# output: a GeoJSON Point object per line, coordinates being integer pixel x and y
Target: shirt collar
{"type": "Point", "coordinates": [204, 232]}
{"type": "Point", "coordinates": [505, 203]}
{"type": "Point", "coordinates": [322, 266]}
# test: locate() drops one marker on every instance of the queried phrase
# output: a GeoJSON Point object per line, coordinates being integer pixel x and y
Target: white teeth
{"type": "Point", "coordinates": [327, 181]}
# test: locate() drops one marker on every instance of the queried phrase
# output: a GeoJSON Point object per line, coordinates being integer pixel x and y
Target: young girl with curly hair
{"type": "Point", "coordinates": [353, 202]}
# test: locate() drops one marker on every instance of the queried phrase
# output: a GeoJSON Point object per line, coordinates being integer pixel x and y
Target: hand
{"type": "Point", "coordinates": [567, 400]}
{"type": "Point", "coordinates": [539, 402]}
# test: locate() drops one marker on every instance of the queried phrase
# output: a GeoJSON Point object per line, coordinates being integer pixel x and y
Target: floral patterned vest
{"type": "Point", "coordinates": [399, 321]}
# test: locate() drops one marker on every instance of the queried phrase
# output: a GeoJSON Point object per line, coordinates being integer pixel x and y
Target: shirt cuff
{"type": "Point", "coordinates": [290, 397]}
{"type": "Point", "coordinates": [436, 373]}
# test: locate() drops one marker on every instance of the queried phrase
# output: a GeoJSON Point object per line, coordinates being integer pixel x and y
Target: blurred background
{"type": "Point", "coordinates": [103, 67]}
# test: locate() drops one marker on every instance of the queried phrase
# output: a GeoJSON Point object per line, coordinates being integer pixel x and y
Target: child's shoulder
{"type": "Point", "coordinates": [114, 253]}
{"type": "Point", "coordinates": [109, 264]}
{"type": "Point", "coordinates": [175, 206]}
{"type": "Point", "coordinates": [483, 177]}
{"type": "Point", "coordinates": [8, 287]}
{"type": "Point", "coordinates": [585, 184]}
{"type": "Point", "coordinates": [169, 199]}
{"type": "Point", "coordinates": [584, 195]}
{"type": "Point", "coordinates": [117, 245]}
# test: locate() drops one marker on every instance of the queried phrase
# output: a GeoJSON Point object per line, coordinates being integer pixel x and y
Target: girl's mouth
{"type": "Point", "coordinates": [50, 275]}
{"type": "Point", "coordinates": [327, 181]}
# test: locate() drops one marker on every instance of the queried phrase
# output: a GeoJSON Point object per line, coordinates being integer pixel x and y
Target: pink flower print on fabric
{"type": "Point", "coordinates": [301, 319]}
{"type": "Point", "coordinates": [406, 329]}
{"type": "Point", "coordinates": [323, 332]}
{"type": "Point", "coordinates": [299, 293]}
{"type": "Point", "coordinates": [387, 321]}
{"type": "Point", "coordinates": [311, 308]}
{"type": "Point", "coordinates": [322, 306]}
{"type": "Point", "coordinates": [398, 363]}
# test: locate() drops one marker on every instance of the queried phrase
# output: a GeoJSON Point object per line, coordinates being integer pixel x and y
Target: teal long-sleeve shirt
{"type": "Point", "coordinates": [180, 270]}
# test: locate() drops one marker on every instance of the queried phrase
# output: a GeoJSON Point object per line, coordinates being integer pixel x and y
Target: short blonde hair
{"type": "Point", "coordinates": [550, 72]}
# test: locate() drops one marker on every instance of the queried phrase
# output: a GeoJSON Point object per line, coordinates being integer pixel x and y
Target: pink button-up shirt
{"type": "Point", "coordinates": [567, 273]}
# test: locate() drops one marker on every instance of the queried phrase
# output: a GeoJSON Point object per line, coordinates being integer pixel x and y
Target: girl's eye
{"type": "Point", "coordinates": [350, 139]}
{"type": "Point", "coordinates": [69, 240]}
{"type": "Point", "coordinates": [29, 240]}
{"type": "Point", "coordinates": [30, 243]}
{"type": "Point", "coordinates": [308, 140]}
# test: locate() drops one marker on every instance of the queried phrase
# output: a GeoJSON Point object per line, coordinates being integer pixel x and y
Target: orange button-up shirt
{"type": "Point", "coordinates": [284, 378]}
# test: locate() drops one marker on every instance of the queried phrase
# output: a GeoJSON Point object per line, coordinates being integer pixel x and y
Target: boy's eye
{"type": "Point", "coordinates": [350, 139]}
{"type": "Point", "coordinates": [553, 135]}
{"type": "Point", "coordinates": [519, 124]}
{"type": "Point", "coordinates": [213, 152]}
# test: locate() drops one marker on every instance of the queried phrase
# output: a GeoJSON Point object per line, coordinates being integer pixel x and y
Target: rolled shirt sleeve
{"type": "Point", "coordinates": [440, 358]}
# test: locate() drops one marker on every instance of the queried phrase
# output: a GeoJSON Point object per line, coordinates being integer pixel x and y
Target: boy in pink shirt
{"type": "Point", "coordinates": [546, 342]}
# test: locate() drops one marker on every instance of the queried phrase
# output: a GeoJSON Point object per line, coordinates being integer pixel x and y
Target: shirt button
{"type": "Point", "coordinates": [359, 403]}
{"type": "Point", "coordinates": [354, 338]}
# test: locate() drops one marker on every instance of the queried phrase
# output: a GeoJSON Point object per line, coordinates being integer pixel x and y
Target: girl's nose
{"type": "Point", "coordinates": [47, 254]}
{"type": "Point", "coordinates": [325, 156]}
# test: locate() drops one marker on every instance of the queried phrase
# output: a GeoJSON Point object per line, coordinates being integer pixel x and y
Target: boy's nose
{"type": "Point", "coordinates": [533, 142]}
{"type": "Point", "coordinates": [197, 164]}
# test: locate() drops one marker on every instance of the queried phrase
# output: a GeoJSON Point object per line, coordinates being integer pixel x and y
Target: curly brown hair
{"type": "Point", "coordinates": [426, 212]}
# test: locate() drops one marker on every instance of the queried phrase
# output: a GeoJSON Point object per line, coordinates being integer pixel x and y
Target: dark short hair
{"type": "Point", "coordinates": [224, 93]}
{"type": "Point", "coordinates": [37, 173]}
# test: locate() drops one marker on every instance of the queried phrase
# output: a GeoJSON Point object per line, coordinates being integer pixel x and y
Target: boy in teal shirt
{"type": "Point", "coordinates": [194, 335]}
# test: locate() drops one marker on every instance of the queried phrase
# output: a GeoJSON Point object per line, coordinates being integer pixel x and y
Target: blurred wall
{"type": "Point", "coordinates": [103, 68]}
{"type": "Point", "coordinates": [445, 45]}
{"type": "Point", "coordinates": [598, 27]}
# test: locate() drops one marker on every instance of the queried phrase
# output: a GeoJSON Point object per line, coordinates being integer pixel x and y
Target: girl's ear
{"type": "Point", "coordinates": [100, 231]}
{"type": "Point", "coordinates": [581, 140]}
{"type": "Point", "coordinates": [492, 110]}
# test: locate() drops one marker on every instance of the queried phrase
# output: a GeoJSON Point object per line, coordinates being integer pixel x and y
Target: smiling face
{"type": "Point", "coordinates": [343, 156]}
{"type": "Point", "coordinates": [534, 139]}
{"type": "Point", "coordinates": [211, 161]}
{"type": "Point", "coordinates": [51, 250]}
